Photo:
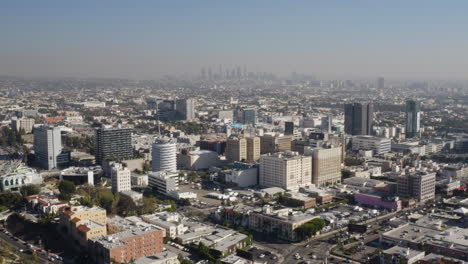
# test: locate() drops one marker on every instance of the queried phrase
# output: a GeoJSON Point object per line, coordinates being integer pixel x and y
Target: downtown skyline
{"type": "Point", "coordinates": [327, 39]}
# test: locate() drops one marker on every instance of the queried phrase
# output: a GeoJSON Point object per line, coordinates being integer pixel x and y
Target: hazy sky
{"type": "Point", "coordinates": [145, 39]}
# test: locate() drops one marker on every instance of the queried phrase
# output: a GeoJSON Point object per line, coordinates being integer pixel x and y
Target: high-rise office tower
{"type": "Point", "coordinates": [121, 178]}
{"type": "Point", "coordinates": [413, 118]}
{"type": "Point", "coordinates": [253, 149]}
{"type": "Point", "coordinates": [359, 119]}
{"type": "Point", "coordinates": [210, 74]}
{"type": "Point", "coordinates": [186, 109]}
{"type": "Point", "coordinates": [287, 170]}
{"type": "Point", "coordinates": [239, 73]}
{"type": "Point", "coordinates": [326, 124]}
{"type": "Point", "coordinates": [271, 144]}
{"type": "Point", "coordinates": [203, 75]}
{"type": "Point", "coordinates": [249, 116]}
{"type": "Point", "coordinates": [113, 144]}
{"type": "Point", "coordinates": [289, 128]}
{"type": "Point", "coordinates": [380, 83]}
{"type": "Point", "coordinates": [47, 146]}
{"type": "Point", "coordinates": [236, 149]}
{"type": "Point", "coordinates": [326, 165]}
{"type": "Point", "coordinates": [164, 154]}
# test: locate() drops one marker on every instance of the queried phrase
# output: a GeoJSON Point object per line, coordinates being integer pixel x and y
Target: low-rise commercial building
{"type": "Point", "coordinates": [19, 177]}
{"type": "Point", "coordinates": [197, 159]}
{"type": "Point", "coordinates": [376, 144]}
{"type": "Point", "coordinates": [278, 222]}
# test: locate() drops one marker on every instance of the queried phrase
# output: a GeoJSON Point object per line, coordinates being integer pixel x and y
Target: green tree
{"type": "Point", "coordinates": [67, 189]}
{"type": "Point", "coordinates": [148, 205]}
{"type": "Point", "coordinates": [106, 200]}
{"type": "Point", "coordinates": [173, 206]}
{"type": "Point", "coordinates": [126, 206]}
{"type": "Point", "coordinates": [345, 174]}
{"type": "Point", "coordinates": [310, 228]}
{"type": "Point", "coordinates": [86, 201]}
{"type": "Point", "coordinates": [30, 189]}
{"type": "Point", "coordinates": [146, 167]}
{"type": "Point", "coordinates": [10, 199]}
{"type": "Point", "coordinates": [192, 176]}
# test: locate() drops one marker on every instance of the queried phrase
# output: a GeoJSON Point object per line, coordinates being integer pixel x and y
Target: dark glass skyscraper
{"type": "Point", "coordinates": [113, 143]}
{"type": "Point", "coordinates": [359, 119]}
{"type": "Point", "coordinates": [288, 128]}
{"type": "Point", "coordinates": [413, 119]}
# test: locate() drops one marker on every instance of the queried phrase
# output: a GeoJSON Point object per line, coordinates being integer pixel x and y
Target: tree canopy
{"type": "Point", "coordinates": [30, 189]}
{"type": "Point", "coordinates": [67, 189]}
{"type": "Point", "coordinates": [310, 228]}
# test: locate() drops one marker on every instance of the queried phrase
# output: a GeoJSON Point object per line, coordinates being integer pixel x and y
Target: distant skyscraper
{"type": "Point", "coordinates": [210, 74]}
{"type": "Point", "coordinates": [413, 118]}
{"type": "Point", "coordinates": [239, 74]}
{"type": "Point", "coordinates": [359, 119]}
{"type": "Point", "coordinates": [203, 75]}
{"type": "Point", "coordinates": [249, 116]}
{"type": "Point", "coordinates": [113, 144]}
{"type": "Point", "coordinates": [164, 154]}
{"type": "Point", "coordinates": [186, 109]}
{"type": "Point", "coordinates": [245, 72]}
{"type": "Point", "coordinates": [288, 128]}
{"type": "Point", "coordinates": [47, 146]}
{"type": "Point", "coordinates": [380, 83]}
{"type": "Point", "coordinates": [326, 124]}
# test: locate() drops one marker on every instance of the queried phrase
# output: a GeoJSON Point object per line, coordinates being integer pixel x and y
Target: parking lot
{"type": "Point", "coordinates": [201, 195]}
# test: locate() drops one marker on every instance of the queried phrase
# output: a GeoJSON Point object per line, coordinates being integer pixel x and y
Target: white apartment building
{"type": "Point", "coordinates": [287, 170]}
{"type": "Point", "coordinates": [376, 144]}
{"type": "Point", "coordinates": [121, 178]}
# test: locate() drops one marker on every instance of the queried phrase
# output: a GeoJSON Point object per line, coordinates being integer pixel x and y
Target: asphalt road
{"type": "Point", "coordinates": [18, 244]}
{"type": "Point", "coordinates": [317, 246]}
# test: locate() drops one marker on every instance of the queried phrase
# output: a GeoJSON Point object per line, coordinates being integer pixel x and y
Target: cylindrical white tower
{"type": "Point", "coordinates": [164, 154]}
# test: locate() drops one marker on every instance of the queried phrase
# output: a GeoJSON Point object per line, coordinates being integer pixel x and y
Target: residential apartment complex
{"type": "Point", "coordinates": [83, 223]}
